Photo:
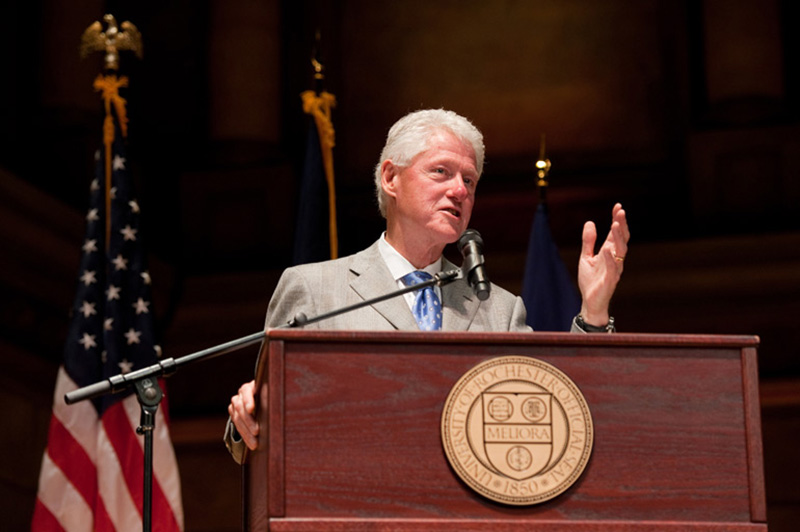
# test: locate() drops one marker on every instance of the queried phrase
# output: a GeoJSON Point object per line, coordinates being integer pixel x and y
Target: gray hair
{"type": "Point", "coordinates": [410, 135]}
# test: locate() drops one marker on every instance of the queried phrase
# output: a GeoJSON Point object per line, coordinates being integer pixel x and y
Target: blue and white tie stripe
{"type": "Point", "coordinates": [427, 308]}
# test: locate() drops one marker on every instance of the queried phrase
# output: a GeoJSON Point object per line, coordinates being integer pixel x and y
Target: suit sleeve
{"type": "Point", "coordinates": [518, 317]}
{"type": "Point", "coordinates": [234, 442]}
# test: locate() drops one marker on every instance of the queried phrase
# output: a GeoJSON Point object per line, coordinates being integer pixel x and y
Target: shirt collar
{"type": "Point", "coordinates": [398, 265]}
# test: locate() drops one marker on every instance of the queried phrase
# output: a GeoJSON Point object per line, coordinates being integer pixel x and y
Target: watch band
{"type": "Point", "coordinates": [608, 328]}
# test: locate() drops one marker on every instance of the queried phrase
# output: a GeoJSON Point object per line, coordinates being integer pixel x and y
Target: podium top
{"type": "Point", "coordinates": [535, 338]}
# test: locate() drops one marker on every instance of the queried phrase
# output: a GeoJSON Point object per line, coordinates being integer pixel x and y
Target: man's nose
{"type": "Point", "coordinates": [459, 188]}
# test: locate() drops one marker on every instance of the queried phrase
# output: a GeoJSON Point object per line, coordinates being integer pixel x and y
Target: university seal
{"type": "Point", "coordinates": [517, 430]}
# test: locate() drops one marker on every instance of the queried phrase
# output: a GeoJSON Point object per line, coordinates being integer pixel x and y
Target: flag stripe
{"type": "Point", "coordinates": [68, 455]}
{"type": "Point", "coordinates": [122, 438]}
{"type": "Point", "coordinates": [44, 520]}
{"type": "Point", "coordinates": [122, 511]}
{"type": "Point", "coordinates": [62, 500]}
{"type": "Point", "coordinates": [79, 419]}
{"type": "Point", "coordinates": [102, 521]}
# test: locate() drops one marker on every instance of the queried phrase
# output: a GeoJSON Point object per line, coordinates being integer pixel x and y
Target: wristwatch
{"type": "Point", "coordinates": [608, 328]}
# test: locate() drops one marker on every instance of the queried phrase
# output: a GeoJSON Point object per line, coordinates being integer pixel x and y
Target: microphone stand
{"type": "Point", "coordinates": [149, 393]}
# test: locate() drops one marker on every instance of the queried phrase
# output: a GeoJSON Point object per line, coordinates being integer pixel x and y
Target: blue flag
{"type": "Point", "coordinates": [311, 241]}
{"type": "Point", "coordinates": [547, 288]}
{"type": "Point", "coordinates": [316, 237]}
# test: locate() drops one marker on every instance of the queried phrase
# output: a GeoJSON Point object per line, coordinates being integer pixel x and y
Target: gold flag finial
{"type": "Point", "coordinates": [316, 64]}
{"type": "Point", "coordinates": [542, 166]}
{"type": "Point", "coordinates": [318, 68]}
{"type": "Point", "coordinates": [111, 41]}
{"type": "Point", "coordinates": [542, 169]}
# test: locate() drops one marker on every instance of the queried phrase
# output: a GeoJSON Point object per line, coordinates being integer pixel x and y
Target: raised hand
{"type": "Point", "coordinates": [598, 274]}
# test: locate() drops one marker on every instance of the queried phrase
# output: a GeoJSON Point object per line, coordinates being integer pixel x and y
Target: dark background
{"type": "Point", "coordinates": [685, 111]}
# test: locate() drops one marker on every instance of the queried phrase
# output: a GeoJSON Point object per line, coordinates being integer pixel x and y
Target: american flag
{"type": "Point", "coordinates": [92, 471]}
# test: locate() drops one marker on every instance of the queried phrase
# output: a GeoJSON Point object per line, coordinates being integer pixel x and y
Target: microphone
{"type": "Point", "coordinates": [470, 244]}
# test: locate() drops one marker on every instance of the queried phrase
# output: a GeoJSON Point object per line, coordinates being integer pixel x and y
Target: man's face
{"type": "Point", "coordinates": [435, 194]}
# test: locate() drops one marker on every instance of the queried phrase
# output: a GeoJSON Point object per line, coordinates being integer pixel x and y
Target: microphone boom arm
{"type": "Point", "coordinates": [167, 367]}
{"type": "Point", "coordinates": [440, 279]}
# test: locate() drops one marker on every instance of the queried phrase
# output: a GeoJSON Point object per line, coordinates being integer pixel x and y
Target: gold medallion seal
{"type": "Point", "coordinates": [517, 430]}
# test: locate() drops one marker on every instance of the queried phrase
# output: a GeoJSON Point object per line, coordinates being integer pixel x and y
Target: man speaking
{"type": "Point", "coordinates": [425, 183]}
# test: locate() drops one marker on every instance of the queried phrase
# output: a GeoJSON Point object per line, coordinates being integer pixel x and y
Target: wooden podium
{"type": "Point", "coordinates": [351, 433]}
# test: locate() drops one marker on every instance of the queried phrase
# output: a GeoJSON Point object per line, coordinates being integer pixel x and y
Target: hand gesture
{"type": "Point", "coordinates": [599, 274]}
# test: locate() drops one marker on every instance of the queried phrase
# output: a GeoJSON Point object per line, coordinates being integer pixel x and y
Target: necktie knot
{"type": "Point", "coordinates": [416, 277]}
{"type": "Point", "coordinates": [427, 308]}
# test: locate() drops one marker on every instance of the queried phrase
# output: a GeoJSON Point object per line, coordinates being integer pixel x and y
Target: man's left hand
{"type": "Point", "coordinates": [598, 274]}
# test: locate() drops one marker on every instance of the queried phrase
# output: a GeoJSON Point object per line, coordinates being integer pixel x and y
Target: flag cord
{"type": "Point", "coordinates": [319, 106]}
{"type": "Point", "coordinates": [109, 86]}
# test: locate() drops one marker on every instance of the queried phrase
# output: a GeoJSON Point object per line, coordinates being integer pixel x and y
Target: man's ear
{"type": "Point", "coordinates": [389, 177]}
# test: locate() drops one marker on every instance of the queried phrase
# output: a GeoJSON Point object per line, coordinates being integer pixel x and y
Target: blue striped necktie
{"type": "Point", "coordinates": [427, 307]}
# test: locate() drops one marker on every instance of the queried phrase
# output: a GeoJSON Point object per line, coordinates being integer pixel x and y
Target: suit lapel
{"type": "Point", "coordinates": [460, 305]}
{"type": "Point", "coordinates": [373, 279]}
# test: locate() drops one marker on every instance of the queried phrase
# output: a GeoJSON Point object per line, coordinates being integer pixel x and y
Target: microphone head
{"type": "Point", "coordinates": [470, 244]}
{"type": "Point", "coordinates": [470, 235]}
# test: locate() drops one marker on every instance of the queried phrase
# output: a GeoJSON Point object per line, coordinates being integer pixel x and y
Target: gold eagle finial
{"type": "Point", "coordinates": [111, 41]}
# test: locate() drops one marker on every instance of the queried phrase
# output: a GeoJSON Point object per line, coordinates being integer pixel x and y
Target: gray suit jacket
{"type": "Point", "coordinates": [321, 287]}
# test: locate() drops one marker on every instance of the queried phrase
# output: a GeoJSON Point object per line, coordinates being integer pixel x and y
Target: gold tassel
{"type": "Point", "coordinates": [319, 106]}
{"type": "Point", "coordinates": [109, 86]}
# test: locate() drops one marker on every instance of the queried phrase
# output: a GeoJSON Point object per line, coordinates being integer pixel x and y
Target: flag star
{"type": "Point", "coordinates": [113, 192]}
{"type": "Point", "coordinates": [90, 245]}
{"type": "Point", "coordinates": [128, 232]}
{"type": "Point", "coordinates": [97, 155]}
{"type": "Point", "coordinates": [146, 277]}
{"type": "Point", "coordinates": [108, 324]}
{"type": "Point", "coordinates": [92, 216]}
{"type": "Point", "coordinates": [157, 349]}
{"type": "Point", "coordinates": [87, 341]}
{"type": "Point", "coordinates": [141, 306]}
{"type": "Point", "coordinates": [133, 336]}
{"type": "Point", "coordinates": [119, 163]}
{"type": "Point", "coordinates": [104, 357]}
{"type": "Point", "coordinates": [134, 206]}
{"type": "Point", "coordinates": [88, 309]}
{"type": "Point", "coordinates": [125, 366]}
{"type": "Point", "coordinates": [112, 292]}
{"type": "Point", "coordinates": [95, 185]}
{"type": "Point", "coordinates": [120, 263]}
{"type": "Point", "coordinates": [88, 277]}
